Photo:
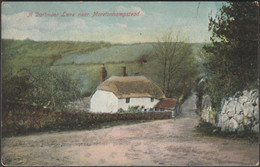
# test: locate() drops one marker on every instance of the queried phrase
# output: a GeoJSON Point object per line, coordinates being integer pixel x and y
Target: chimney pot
{"type": "Point", "coordinates": [103, 74]}
{"type": "Point", "coordinates": [123, 71]}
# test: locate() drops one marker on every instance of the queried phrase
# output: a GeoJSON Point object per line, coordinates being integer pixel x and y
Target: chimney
{"type": "Point", "coordinates": [103, 74]}
{"type": "Point", "coordinates": [124, 71]}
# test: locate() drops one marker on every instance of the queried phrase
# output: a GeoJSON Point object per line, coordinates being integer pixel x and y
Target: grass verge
{"type": "Point", "coordinates": [207, 129]}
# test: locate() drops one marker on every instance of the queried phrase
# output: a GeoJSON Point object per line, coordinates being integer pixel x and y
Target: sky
{"type": "Point", "coordinates": [32, 20]}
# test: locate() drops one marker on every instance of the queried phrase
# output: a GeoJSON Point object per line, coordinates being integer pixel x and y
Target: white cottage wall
{"type": "Point", "coordinates": [103, 101]}
{"type": "Point", "coordinates": [142, 101]}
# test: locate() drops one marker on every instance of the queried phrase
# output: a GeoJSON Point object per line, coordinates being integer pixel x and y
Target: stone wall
{"type": "Point", "coordinates": [207, 114]}
{"type": "Point", "coordinates": [238, 113]}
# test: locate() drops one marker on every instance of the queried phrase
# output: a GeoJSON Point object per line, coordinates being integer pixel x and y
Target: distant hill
{"type": "Point", "coordinates": [21, 53]}
{"type": "Point", "coordinates": [116, 53]}
{"type": "Point", "coordinates": [83, 59]}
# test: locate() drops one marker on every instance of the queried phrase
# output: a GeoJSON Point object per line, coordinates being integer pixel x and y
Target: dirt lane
{"type": "Point", "coordinates": [164, 142]}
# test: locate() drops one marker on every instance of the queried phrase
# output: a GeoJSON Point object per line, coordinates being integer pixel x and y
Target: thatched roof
{"type": "Point", "coordinates": [166, 103]}
{"type": "Point", "coordinates": [131, 86]}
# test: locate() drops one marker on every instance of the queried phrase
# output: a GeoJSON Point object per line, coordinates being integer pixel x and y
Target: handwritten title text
{"type": "Point", "coordinates": [94, 14]}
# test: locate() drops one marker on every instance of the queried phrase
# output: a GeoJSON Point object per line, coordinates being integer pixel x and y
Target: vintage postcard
{"type": "Point", "coordinates": [129, 83]}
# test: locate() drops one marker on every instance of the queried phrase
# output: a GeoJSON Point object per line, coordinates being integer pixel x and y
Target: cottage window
{"type": "Point", "coordinates": [127, 100]}
{"type": "Point", "coordinates": [152, 99]}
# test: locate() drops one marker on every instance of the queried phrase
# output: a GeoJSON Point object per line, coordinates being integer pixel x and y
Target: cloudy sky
{"type": "Point", "coordinates": [155, 18]}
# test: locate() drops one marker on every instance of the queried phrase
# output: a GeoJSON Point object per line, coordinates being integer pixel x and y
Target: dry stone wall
{"type": "Point", "coordinates": [238, 113]}
{"type": "Point", "coordinates": [207, 113]}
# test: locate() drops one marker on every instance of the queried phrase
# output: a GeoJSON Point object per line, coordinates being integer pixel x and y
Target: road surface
{"type": "Point", "coordinates": [163, 142]}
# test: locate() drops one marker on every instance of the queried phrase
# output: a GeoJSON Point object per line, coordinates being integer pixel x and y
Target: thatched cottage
{"type": "Point", "coordinates": [123, 92]}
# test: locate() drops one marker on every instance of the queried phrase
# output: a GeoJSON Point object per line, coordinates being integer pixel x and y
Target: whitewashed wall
{"type": "Point", "coordinates": [103, 101]}
{"type": "Point", "coordinates": [143, 101]}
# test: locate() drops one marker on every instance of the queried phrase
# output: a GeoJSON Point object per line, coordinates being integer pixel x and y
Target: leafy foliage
{"type": "Point", "coordinates": [232, 61]}
{"type": "Point", "coordinates": [15, 89]}
{"type": "Point", "coordinates": [41, 87]}
{"type": "Point", "coordinates": [53, 89]}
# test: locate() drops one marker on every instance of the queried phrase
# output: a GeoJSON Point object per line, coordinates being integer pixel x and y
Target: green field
{"type": "Point", "coordinates": [83, 59]}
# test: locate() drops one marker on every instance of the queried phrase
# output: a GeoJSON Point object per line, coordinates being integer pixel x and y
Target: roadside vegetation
{"type": "Point", "coordinates": [231, 60]}
{"type": "Point", "coordinates": [207, 129]}
{"type": "Point", "coordinates": [23, 119]}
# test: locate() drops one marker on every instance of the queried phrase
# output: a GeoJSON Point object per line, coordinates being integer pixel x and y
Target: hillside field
{"type": "Point", "coordinates": [83, 60]}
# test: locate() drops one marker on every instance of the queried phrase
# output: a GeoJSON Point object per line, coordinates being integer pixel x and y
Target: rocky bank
{"type": "Point", "coordinates": [238, 113]}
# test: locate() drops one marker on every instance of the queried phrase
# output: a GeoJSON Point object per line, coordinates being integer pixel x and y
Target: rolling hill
{"type": "Point", "coordinates": [83, 59]}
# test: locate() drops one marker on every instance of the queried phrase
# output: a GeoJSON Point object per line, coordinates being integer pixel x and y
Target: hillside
{"type": "Point", "coordinates": [113, 54]}
{"type": "Point", "coordinates": [19, 54]}
{"type": "Point", "coordinates": [83, 59]}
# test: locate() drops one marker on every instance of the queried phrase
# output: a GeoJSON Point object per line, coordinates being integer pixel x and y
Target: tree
{"type": "Point", "coordinates": [178, 68]}
{"type": "Point", "coordinates": [40, 86]}
{"type": "Point", "coordinates": [52, 88]}
{"type": "Point", "coordinates": [15, 89]}
{"type": "Point", "coordinates": [232, 60]}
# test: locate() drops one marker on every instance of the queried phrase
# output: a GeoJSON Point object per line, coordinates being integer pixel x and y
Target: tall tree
{"type": "Point", "coordinates": [232, 59]}
{"type": "Point", "coordinates": [176, 63]}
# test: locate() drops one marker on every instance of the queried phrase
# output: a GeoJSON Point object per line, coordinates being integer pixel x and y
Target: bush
{"type": "Point", "coordinates": [53, 89]}
{"type": "Point", "coordinates": [42, 87]}
{"type": "Point", "coordinates": [15, 89]}
{"type": "Point", "coordinates": [25, 119]}
{"type": "Point", "coordinates": [132, 109]}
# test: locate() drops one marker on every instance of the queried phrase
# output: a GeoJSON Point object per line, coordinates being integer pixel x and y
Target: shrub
{"type": "Point", "coordinates": [132, 109]}
{"type": "Point", "coordinates": [24, 119]}
{"type": "Point", "coordinates": [15, 89]}
{"type": "Point", "coordinates": [42, 87]}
